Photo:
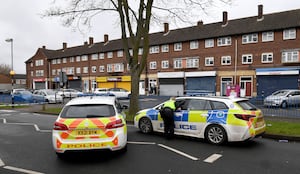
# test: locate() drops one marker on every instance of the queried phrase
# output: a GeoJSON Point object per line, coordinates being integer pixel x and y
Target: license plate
{"type": "Point", "coordinates": [87, 132]}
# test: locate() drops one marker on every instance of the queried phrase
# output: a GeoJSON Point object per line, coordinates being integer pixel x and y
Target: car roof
{"type": "Point", "coordinates": [215, 98]}
{"type": "Point", "coordinates": [92, 100]}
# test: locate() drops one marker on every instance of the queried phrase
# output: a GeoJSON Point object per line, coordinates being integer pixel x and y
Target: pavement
{"type": "Point", "coordinates": [281, 138]}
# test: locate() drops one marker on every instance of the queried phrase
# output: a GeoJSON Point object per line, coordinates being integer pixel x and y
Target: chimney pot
{"type": "Point", "coordinates": [91, 40]}
{"type": "Point", "coordinates": [166, 27]}
{"type": "Point", "coordinates": [85, 43]}
{"type": "Point", "coordinates": [200, 23]}
{"type": "Point", "coordinates": [225, 18]}
{"type": "Point", "coordinates": [260, 12]}
{"type": "Point", "coordinates": [44, 47]}
{"type": "Point", "coordinates": [64, 45]}
{"type": "Point", "coordinates": [105, 38]}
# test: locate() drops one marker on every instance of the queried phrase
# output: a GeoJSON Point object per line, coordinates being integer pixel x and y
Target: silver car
{"type": "Point", "coordinates": [51, 96]}
{"type": "Point", "coordinates": [283, 98]}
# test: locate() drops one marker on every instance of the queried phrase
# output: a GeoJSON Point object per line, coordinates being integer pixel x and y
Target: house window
{"type": "Point", "coordinates": [70, 71]}
{"type": "Point", "coordinates": [85, 69]}
{"type": "Point", "coordinates": [78, 70]}
{"type": "Point", "coordinates": [289, 34]}
{"type": "Point", "coordinates": [77, 58]}
{"type": "Point", "coordinates": [101, 56]}
{"type": "Point", "coordinates": [154, 49]}
{"type": "Point", "coordinates": [290, 57]}
{"type": "Point", "coordinates": [109, 68]}
{"type": "Point", "coordinates": [177, 63]}
{"type": "Point", "coordinates": [141, 51]}
{"type": "Point", "coordinates": [110, 55]}
{"type": "Point", "coordinates": [267, 57]}
{"type": "Point", "coordinates": [58, 71]}
{"type": "Point", "coordinates": [192, 63]}
{"type": "Point", "coordinates": [53, 61]}
{"type": "Point", "coordinates": [31, 73]}
{"type": "Point", "coordinates": [247, 59]}
{"type": "Point", "coordinates": [101, 68]}
{"type": "Point", "coordinates": [39, 62]}
{"type": "Point", "coordinates": [153, 65]}
{"type": "Point", "coordinates": [178, 46]}
{"type": "Point", "coordinates": [94, 56]}
{"type": "Point", "coordinates": [94, 69]}
{"type": "Point", "coordinates": [39, 73]}
{"type": "Point", "coordinates": [120, 53]}
{"type": "Point", "coordinates": [209, 43]}
{"type": "Point", "coordinates": [130, 52]}
{"type": "Point", "coordinates": [64, 60]}
{"type": "Point", "coordinates": [194, 45]}
{"type": "Point", "coordinates": [71, 59]}
{"type": "Point", "coordinates": [164, 64]}
{"type": "Point", "coordinates": [209, 61]}
{"type": "Point", "coordinates": [118, 67]}
{"type": "Point", "coordinates": [250, 38]}
{"type": "Point", "coordinates": [54, 72]}
{"type": "Point", "coordinates": [226, 60]}
{"type": "Point", "coordinates": [165, 48]}
{"type": "Point", "coordinates": [58, 61]}
{"type": "Point", "coordinates": [84, 58]}
{"type": "Point", "coordinates": [268, 36]}
{"type": "Point", "coordinates": [224, 41]}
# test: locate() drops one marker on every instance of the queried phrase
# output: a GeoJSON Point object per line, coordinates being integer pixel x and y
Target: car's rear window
{"type": "Point", "coordinates": [246, 105]}
{"type": "Point", "coordinates": [88, 111]}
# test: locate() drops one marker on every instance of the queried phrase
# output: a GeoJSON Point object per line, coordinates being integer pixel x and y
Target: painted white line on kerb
{"type": "Point", "coordinates": [1, 163]}
{"type": "Point", "coordinates": [212, 158]}
{"type": "Point", "coordinates": [178, 152]}
{"type": "Point", "coordinates": [22, 170]}
{"type": "Point", "coordinates": [141, 143]}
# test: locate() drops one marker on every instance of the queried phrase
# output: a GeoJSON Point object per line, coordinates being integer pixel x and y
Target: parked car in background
{"type": "Point", "coordinates": [283, 98]}
{"type": "Point", "coordinates": [216, 119]}
{"type": "Point", "coordinates": [101, 91]}
{"type": "Point", "coordinates": [69, 93]}
{"type": "Point", "coordinates": [50, 95]}
{"type": "Point", "coordinates": [24, 96]}
{"type": "Point", "coordinates": [90, 123]}
{"type": "Point", "coordinates": [119, 92]}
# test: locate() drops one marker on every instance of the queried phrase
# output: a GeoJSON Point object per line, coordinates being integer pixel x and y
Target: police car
{"type": "Point", "coordinates": [93, 122]}
{"type": "Point", "coordinates": [217, 119]}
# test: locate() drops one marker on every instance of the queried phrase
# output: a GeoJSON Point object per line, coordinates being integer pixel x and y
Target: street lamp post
{"type": "Point", "coordinates": [11, 73]}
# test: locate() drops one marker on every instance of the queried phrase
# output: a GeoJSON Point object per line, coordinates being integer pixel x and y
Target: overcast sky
{"type": "Point", "coordinates": [21, 20]}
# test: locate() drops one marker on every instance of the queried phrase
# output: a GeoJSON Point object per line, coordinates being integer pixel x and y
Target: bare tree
{"type": "Point", "coordinates": [4, 69]}
{"type": "Point", "coordinates": [135, 18]}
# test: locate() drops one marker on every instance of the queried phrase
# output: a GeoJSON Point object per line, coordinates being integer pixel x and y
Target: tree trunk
{"type": "Point", "coordinates": [134, 98]}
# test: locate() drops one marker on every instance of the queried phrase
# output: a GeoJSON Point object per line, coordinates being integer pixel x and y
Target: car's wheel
{"type": "Point", "coordinates": [145, 125]}
{"type": "Point", "coordinates": [284, 104]}
{"type": "Point", "coordinates": [60, 155]}
{"type": "Point", "coordinates": [215, 134]}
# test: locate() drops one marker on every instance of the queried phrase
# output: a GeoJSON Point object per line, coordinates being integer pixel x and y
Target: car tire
{"type": "Point", "coordinates": [284, 104]}
{"type": "Point", "coordinates": [215, 134]}
{"type": "Point", "coordinates": [60, 155]}
{"type": "Point", "coordinates": [145, 125]}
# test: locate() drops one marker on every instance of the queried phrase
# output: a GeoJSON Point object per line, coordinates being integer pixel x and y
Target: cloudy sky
{"type": "Point", "coordinates": [21, 20]}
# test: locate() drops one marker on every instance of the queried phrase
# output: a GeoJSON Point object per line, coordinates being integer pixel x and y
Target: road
{"type": "Point", "coordinates": [26, 148]}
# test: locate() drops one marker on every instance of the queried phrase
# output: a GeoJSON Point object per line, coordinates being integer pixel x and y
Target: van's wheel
{"type": "Point", "coordinates": [145, 125]}
{"type": "Point", "coordinates": [215, 134]}
{"type": "Point", "coordinates": [284, 104]}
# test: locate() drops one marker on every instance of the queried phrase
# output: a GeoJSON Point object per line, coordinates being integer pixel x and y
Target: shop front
{"type": "Point", "coordinates": [114, 82]}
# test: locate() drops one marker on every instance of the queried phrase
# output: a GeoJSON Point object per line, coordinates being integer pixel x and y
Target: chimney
{"type": "Point", "coordinates": [166, 27]}
{"type": "Point", "coordinates": [85, 43]}
{"type": "Point", "coordinates": [91, 40]}
{"type": "Point", "coordinates": [200, 23]}
{"type": "Point", "coordinates": [225, 18]}
{"type": "Point", "coordinates": [44, 47]}
{"type": "Point", "coordinates": [260, 13]}
{"type": "Point", "coordinates": [105, 38]}
{"type": "Point", "coordinates": [64, 45]}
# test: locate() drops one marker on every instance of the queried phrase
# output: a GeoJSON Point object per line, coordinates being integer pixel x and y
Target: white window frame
{"type": "Point", "coordinates": [39, 62]}
{"type": "Point", "coordinates": [209, 43]}
{"type": "Point", "coordinates": [94, 69]}
{"type": "Point", "coordinates": [267, 57]}
{"type": "Point", "coordinates": [58, 61]}
{"type": "Point", "coordinates": [165, 64]}
{"type": "Point", "coordinates": [268, 36]}
{"type": "Point", "coordinates": [154, 49]}
{"type": "Point", "coordinates": [141, 50]}
{"type": "Point", "coordinates": [85, 70]}
{"type": "Point", "coordinates": [226, 60]}
{"type": "Point", "coordinates": [194, 45]}
{"type": "Point", "coordinates": [165, 48]}
{"type": "Point", "coordinates": [101, 56]}
{"type": "Point", "coordinates": [289, 34]}
{"type": "Point", "coordinates": [84, 58]}
{"type": "Point", "coordinates": [209, 61]}
{"type": "Point", "coordinates": [110, 55]}
{"type": "Point", "coordinates": [39, 73]}
{"type": "Point", "coordinates": [53, 62]}
{"type": "Point", "coordinates": [178, 46]}
{"type": "Point", "coordinates": [224, 41]}
{"type": "Point", "coordinates": [192, 62]}
{"type": "Point", "coordinates": [64, 60]}
{"type": "Point", "coordinates": [71, 59]}
{"type": "Point", "coordinates": [247, 59]}
{"type": "Point", "coordinates": [77, 58]}
{"type": "Point", "coordinates": [118, 67]}
{"type": "Point", "coordinates": [153, 65]}
{"type": "Point", "coordinates": [101, 68]}
{"type": "Point", "coordinates": [95, 56]}
{"type": "Point", "coordinates": [250, 38]}
{"type": "Point", "coordinates": [53, 72]}
{"type": "Point", "coordinates": [290, 56]}
{"type": "Point", "coordinates": [70, 71]}
{"type": "Point", "coordinates": [120, 53]}
{"type": "Point", "coordinates": [109, 67]}
{"type": "Point", "coordinates": [78, 70]}
{"type": "Point", "coordinates": [177, 63]}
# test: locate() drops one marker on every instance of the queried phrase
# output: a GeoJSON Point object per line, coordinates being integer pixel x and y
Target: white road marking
{"type": "Point", "coordinates": [1, 163]}
{"type": "Point", "coordinates": [22, 170]}
{"type": "Point", "coordinates": [36, 127]}
{"type": "Point", "coordinates": [212, 158]}
{"type": "Point", "coordinates": [178, 152]}
{"type": "Point", "coordinates": [8, 111]}
{"type": "Point", "coordinates": [141, 142]}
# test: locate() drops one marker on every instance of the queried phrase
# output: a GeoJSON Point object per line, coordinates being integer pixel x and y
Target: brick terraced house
{"type": "Point", "coordinates": [260, 54]}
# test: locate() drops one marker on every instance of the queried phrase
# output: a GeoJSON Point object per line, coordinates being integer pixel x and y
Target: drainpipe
{"type": "Point", "coordinates": [235, 60]}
